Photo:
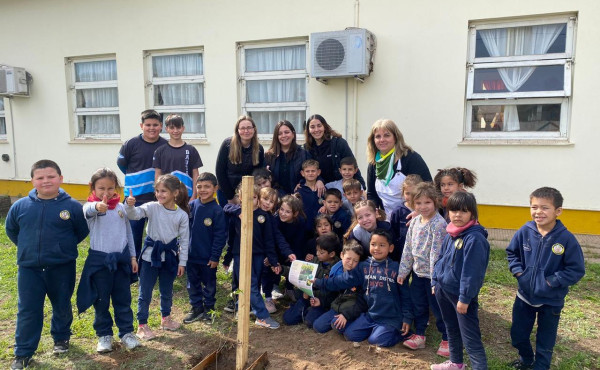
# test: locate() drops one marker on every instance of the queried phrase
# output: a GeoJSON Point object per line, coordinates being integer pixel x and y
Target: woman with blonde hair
{"type": "Point", "coordinates": [390, 161]}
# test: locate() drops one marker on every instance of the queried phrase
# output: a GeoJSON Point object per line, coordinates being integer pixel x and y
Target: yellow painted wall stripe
{"type": "Point", "coordinates": [499, 217]}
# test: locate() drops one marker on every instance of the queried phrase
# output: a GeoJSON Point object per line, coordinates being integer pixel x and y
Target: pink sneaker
{"type": "Point", "coordinates": [144, 332]}
{"type": "Point", "coordinates": [448, 365]}
{"type": "Point", "coordinates": [415, 342]}
{"type": "Point", "coordinates": [444, 350]}
{"type": "Point", "coordinates": [169, 324]}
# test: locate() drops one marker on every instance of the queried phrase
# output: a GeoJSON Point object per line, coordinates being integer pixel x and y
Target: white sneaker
{"type": "Point", "coordinates": [104, 344]}
{"type": "Point", "coordinates": [276, 294]}
{"type": "Point", "coordinates": [130, 341]}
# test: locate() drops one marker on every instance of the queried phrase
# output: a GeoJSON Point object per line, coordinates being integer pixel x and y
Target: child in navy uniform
{"type": "Point", "coordinates": [456, 280]}
{"type": "Point", "coordinates": [340, 216]}
{"type": "Point", "coordinates": [399, 217]}
{"type": "Point", "coordinates": [546, 259]}
{"type": "Point", "coordinates": [348, 169]}
{"type": "Point", "coordinates": [308, 189]}
{"type": "Point", "coordinates": [46, 227]}
{"type": "Point", "coordinates": [389, 314]}
{"type": "Point", "coordinates": [208, 234]}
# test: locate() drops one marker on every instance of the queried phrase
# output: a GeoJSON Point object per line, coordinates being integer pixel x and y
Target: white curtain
{"type": "Point", "coordinates": [532, 40]}
{"type": "Point", "coordinates": [99, 124]}
{"type": "Point", "coordinates": [276, 59]}
{"type": "Point", "coordinates": [266, 121]}
{"type": "Point", "coordinates": [97, 71]}
{"type": "Point", "coordinates": [276, 91]}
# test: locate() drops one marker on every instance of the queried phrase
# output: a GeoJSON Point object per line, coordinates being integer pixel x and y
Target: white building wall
{"type": "Point", "coordinates": [418, 81]}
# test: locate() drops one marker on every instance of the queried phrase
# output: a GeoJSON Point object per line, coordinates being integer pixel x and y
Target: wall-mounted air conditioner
{"type": "Point", "coordinates": [14, 81]}
{"type": "Point", "coordinates": [340, 54]}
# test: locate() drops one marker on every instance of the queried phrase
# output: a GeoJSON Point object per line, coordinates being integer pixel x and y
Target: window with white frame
{"type": "Point", "coordinates": [2, 120]}
{"type": "Point", "coordinates": [519, 78]}
{"type": "Point", "coordinates": [273, 82]}
{"type": "Point", "coordinates": [175, 85]}
{"type": "Point", "coordinates": [94, 97]}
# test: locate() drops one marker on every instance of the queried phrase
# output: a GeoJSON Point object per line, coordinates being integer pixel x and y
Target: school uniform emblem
{"type": "Point", "coordinates": [558, 249]}
{"type": "Point", "coordinates": [207, 221]}
{"type": "Point", "coordinates": [120, 214]}
{"type": "Point", "coordinates": [458, 244]}
{"type": "Point", "coordinates": [65, 215]}
{"type": "Point", "coordinates": [337, 224]}
{"type": "Point", "coordinates": [261, 219]}
{"type": "Point", "coordinates": [320, 201]}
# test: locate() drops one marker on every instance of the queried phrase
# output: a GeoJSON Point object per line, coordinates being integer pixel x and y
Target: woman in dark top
{"type": "Point", "coordinates": [239, 156]}
{"type": "Point", "coordinates": [328, 147]}
{"type": "Point", "coordinates": [284, 158]}
{"type": "Point", "coordinates": [390, 161]}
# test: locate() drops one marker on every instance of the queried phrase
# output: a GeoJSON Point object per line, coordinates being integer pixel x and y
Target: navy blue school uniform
{"type": "Point", "coordinates": [363, 237]}
{"type": "Point", "coordinates": [548, 265]}
{"type": "Point", "coordinates": [457, 277]}
{"type": "Point", "coordinates": [342, 219]}
{"type": "Point", "coordinates": [208, 234]}
{"type": "Point", "coordinates": [46, 233]}
{"type": "Point", "coordinates": [269, 279]}
{"type": "Point", "coordinates": [311, 203]}
{"type": "Point", "coordinates": [389, 303]}
{"type": "Point", "coordinates": [399, 225]}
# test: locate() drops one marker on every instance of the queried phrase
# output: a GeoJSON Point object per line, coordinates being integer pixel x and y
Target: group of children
{"type": "Point", "coordinates": [377, 279]}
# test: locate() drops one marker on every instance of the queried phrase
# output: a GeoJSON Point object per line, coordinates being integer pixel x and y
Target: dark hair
{"type": "Point", "coordinates": [45, 163]}
{"type": "Point", "coordinates": [173, 184]}
{"type": "Point", "coordinates": [322, 216]}
{"type": "Point", "coordinates": [310, 163]}
{"type": "Point", "coordinates": [327, 135]}
{"type": "Point", "coordinates": [463, 201]}
{"type": "Point", "coordinates": [383, 232]}
{"type": "Point", "coordinates": [461, 175]}
{"type": "Point", "coordinates": [174, 120]}
{"type": "Point", "coordinates": [150, 114]}
{"type": "Point", "coordinates": [351, 184]}
{"type": "Point", "coordinates": [295, 203]}
{"type": "Point", "coordinates": [349, 161]}
{"type": "Point", "coordinates": [209, 177]}
{"type": "Point", "coordinates": [261, 173]}
{"type": "Point", "coordinates": [329, 242]}
{"type": "Point", "coordinates": [275, 149]}
{"type": "Point", "coordinates": [102, 173]}
{"type": "Point", "coordinates": [428, 190]}
{"type": "Point", "coordinates": [548, 193]}
{"type": "Point", "coordinates": [333, 191]}
{"type": "Point", "coordinates": [353, 246]}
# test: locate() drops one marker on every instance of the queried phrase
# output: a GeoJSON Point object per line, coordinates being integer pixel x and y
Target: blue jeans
{"type": "Point", "coordinates": [113, 286]}
{"type": "Point", "coordinates": [301, 311]}
{"type": "Point", "coordinates": [378, 334]}
{"type": "Point", "coordinates": [201, 285]}
{"type": "Point", "coordinates": [33, 284]}
{"type": "Point", "coordinates": [523, 319]}
{"type": "Point", "coordinates": [256, 299]}
{"type": "Point", "coordinates": [148, 277]}
{"type": "Point", "coordinates": [325, 323]}
{"type": "Point", "coordinates": [462, 329]}
{"type": "Point", "coordinates": [268, 281]}
{"type": "Point", "coordinates": [423, 300]}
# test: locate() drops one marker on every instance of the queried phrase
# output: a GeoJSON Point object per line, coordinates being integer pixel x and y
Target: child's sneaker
{"type": "Point", "coordinates": [104, 344]}
{"type": "Point", "coordinates": [144, 332]}
{"type": "Point", "coordinates": [519, 365]}
{"type": "Point", "coordinates": [415, 342]}
{"type": "Point", "coordinates": [130, 341]}
{"type": "Point", "coordinates": [62, 346]}
{"type": "Point", "coordinates": [230, 307]}
{"type": "Point", "coordinates": [194, 315]}
{"type": "Point", "coordinates": [20, 362]}
{"type": "Point", "coordinates": [267, 323]}
{"type": "Point", "coordinates": [276, 293]}
{"type": "Point", "coordinates": [206, 317]}
{"type": "Point", "coordinates": [443, 349]}
{"type": "Point", "coordinates": [270, 305]}
{"type": "Point", "coordinates": [169, 324]}
{"type": "Point", "coordinates": [356, 344]}
{"type": "Point", "coordinates": [448, 365]}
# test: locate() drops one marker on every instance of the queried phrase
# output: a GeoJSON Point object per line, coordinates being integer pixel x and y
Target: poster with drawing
{"type": "Point", "coordinates": [300, 274]}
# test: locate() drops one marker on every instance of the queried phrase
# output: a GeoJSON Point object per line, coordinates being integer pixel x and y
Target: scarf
{"type": "Point", "coordinates": [384, 166]}
{"type": "Point", "coordinates": [455, 231]}
{"type": "Point", "coordinates": [112, 202]}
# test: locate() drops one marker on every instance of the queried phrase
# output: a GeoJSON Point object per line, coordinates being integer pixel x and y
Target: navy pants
{"type": "Point", "coordinates": [268, 281]}
{"type": "Point", "coordinates": [33, 284]}
{"type": "Point", "coordinates": [523, 319]}
{"type": "Point", "coordinates": [378, 334]}
{"type": "Point", "coordinates": [462, 329]}
{"type": "Point", "coordinates": [301, 311]}
{"type": "Point", "coordinates": [201, 285]}
{"type": "Point", "coordinates": [113, 286]}
{"type": "Point", "coordinates": [256, 299]}
{"type": "Point", "coordinates": [423, 301]}
{"type": "Point", "coordinates": [137, 229]}
{"type": "Point", "coordinates": [148, 277]}
{"type": "Point", "coordinates": [325, 323]}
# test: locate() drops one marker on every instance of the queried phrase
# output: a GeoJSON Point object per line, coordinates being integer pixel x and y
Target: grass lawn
{"type": "Point", "coordinates": [577, 345]}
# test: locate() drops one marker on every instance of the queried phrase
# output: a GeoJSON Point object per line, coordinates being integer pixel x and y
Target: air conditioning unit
{"type": "Point", "coordinates": [340, 54]}
{"type": "Point", "coordinates": [13, 81]}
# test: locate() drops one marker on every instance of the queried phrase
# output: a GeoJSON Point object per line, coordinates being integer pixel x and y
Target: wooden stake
{"type": "Point", "coordinates": [245, 271]}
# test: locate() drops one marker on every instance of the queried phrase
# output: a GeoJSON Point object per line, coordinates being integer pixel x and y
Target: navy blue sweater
{"type": "Point", "coordinates": [463, 260]}
{"type": "Point", "coordinates": [46, 231]}
{"type": "Point", "coordinates": [549, 264]}
{"type": "Point", "coordinates": [208, 232]}
{"type": "Point", "coordinates": [311, 203]}
{"type": "Point", "coordinates": [399, 228]}
{"type": "Point", "coordinates": [229, 174]}
{"type": "Point", "coordinates": [329, 159]}
{"type": "Point", "coordinates": [342, 219]}
{"type": "Point", "coordinates": [389, 302]}
{"type": "Point", "coordinates": [294, 237]}
{"type": "Point", "coordinates": [294, 166]}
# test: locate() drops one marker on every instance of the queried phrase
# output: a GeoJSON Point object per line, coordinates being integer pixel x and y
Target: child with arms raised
{"type": "Point", "coordinates": [165, 252]}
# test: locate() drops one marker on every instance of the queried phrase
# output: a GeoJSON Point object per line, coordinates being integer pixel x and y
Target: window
{"type": "Point", "coordinates": [176, 86]}
{"type": "Point", "coordinates": [519, 79]}
{"type": "Point", "coordinates": [274, 82]}
{"type": "Point", "coordinates": [2, 120]}
{"type": "Point", "coordinates": [94, 97]}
